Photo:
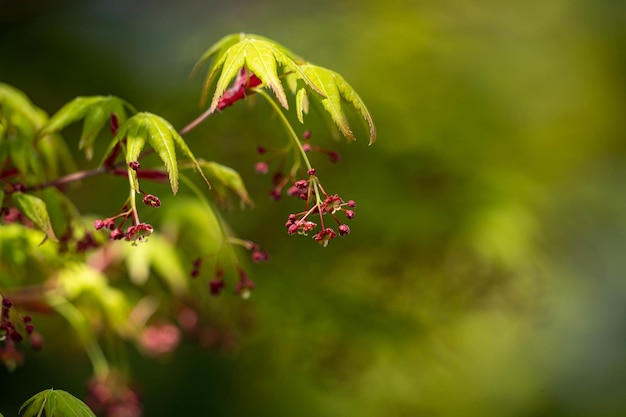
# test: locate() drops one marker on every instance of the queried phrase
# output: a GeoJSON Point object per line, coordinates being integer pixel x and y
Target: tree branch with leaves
{"type": "Point", "coordinates": [57, 260]}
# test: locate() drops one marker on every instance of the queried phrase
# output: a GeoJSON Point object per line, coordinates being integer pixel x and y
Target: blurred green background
{"type": "Point", "coordinates": [485, 272]}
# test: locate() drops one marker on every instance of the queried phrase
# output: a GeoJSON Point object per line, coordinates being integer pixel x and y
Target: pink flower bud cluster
{"type": "Point", "coordinates": [111, 396]}
{"type": "Point", "coordinates": [328, 206]}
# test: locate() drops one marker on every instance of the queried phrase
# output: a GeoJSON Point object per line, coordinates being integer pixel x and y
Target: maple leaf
{"type": "Point", "coordinates": [159, 133]}
{"type": "Point", "coordinates": [335, 89]}
{"type": "Point", "coordinates": [258, 55]}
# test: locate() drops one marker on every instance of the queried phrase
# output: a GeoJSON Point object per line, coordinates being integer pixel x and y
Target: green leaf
{"type": "Point", "coordinates": [226, 178]}
{"type": "Point", "coordinates": [36, 211]}
{"type": "Point", "coordinates": [135, 140]}
{"type": "Point", "coordinates": [19, 122]}
{"type": "Point", "coordinates": [20, 117]}
{"type": "Point", "coordinates": [260, 55]}
{"type": "Point", "coordinates": [55, 156]}
{"type": "Point", "coordinates": [161, 256]}
{"type": "Point", "coordinates": [55, 403]}
{"type": "Point", "coordinates": [335, 89]}
{"type": "Point", "coordinates": [96, 110]}
{"type": "Point", "coordinates": [161, 136]}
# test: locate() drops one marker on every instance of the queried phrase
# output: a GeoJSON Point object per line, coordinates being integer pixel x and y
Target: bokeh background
{"type": "Point", "coordinates": [485, 274]}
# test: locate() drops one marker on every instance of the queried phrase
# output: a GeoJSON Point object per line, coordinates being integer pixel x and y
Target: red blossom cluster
{"type": "Point", "coordinates": [322, 205]}
{"type": "Point", "coordinates": [111, 396]}
{"type": "Point", "coordinates": [12, 334]}
{"type": "Point", "coordinates": [137, 232]}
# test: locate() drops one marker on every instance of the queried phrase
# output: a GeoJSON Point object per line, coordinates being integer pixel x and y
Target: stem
{"type": "Point", "coordinates": [66, 179]}
{"type": "Point", "coordinates": [196, 122]}
{"type": "Point", "coordinates": [291, 133]}
{"type": "Point", "coordinates": [79, 322]}
{"type": "Point", "coordinates": [294, 137]}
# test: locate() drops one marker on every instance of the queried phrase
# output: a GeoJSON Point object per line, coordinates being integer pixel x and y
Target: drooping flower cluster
{"type": "Point", "coordinates": [111, 396]}
{"type": "Point", "coordinates": [244, 284]}
{"type": "Point", "coordinates": [318, 202]}
{"type": "Point", "coordinates": [134, 233]}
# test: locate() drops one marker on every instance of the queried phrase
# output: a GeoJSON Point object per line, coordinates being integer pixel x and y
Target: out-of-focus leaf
{"type": "Point", "coordinates": [196, 221]}
{"type": "Point", "coordinates": [19, 122]}
{"type": "Point", "coordinates": [260, 55]}
{"type": "Point", "coordinates": [159, 254]}
{"type": "Point", "coordinates": [35, 210]}
{"type": "Point", "coordinates": [21, 118]}
{"type": "Point", "coordinates": [96, 110]}
{"type": "Point", "coordinates": [55, 403]}
{"type": "Point", "coordinates": [224, 179]}
{"type": "Point", "coordinates": [335, 88]}
{"type": "Point", "coordinates": [55, 156]}
{"type": "Point", "coordinates": [89, 288]}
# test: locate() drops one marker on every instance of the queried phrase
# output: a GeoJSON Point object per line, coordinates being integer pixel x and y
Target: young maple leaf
{"type": "Point", "coordinates": [257, 54]}
{"type": "Point", "coordinates": [335, 89]}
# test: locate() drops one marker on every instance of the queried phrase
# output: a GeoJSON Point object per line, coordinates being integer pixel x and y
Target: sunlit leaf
{"type": "Point", "coordinates": [302, 104]}
{"type": "Point", "coordinates": [35, 210]}
{"type": "Point", "coordinates": [135, 134]}
{"type": "Point", "coordinates": [96, 110]}
{"type": "Point", "coordinates": [225, 178]}
{"type": "Point", "coordinates": [161, 136]}
{"type": "Point", "coordinates": [55, 403]}
{"type": "Point", "coordinates": [260, 55]}
{"type": "Point", "coordinates": [335, 89]}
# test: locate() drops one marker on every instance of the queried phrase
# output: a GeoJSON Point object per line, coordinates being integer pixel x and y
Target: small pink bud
{"type": "Point", "coordinates": [216, 285]}
{"type": "Point", "coordinates": [344, 230]}
{"type": "Point", "coordinates": [261, 150]}
{"type": "Point", "coordinates": [260, 256]}
{"type": "Point", "coordinates": [134, 165]}
{"type": "Point", "coordinates": [306, 134]}
{"type": "Point", "coordinates": [98, 224]}
{"type": "Point", "coordinates": [116, 234]}
{"type": "Point", "coordinates": [350, 214]}
{"type": "Point", "coordinates": [334, 156]}
{"type": "Point", "coordinates": [276, 194]}
{"type": "Point", "coordinates": [261, 168]}
{"type": "Point", "coordinates": [306, 147]}
{"type": "Point", "coordinates": [351, 204]}
{"type": "Point", "coordinates": [311, 171]}
{"type": "Point", "coordinates": [36, 341]}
